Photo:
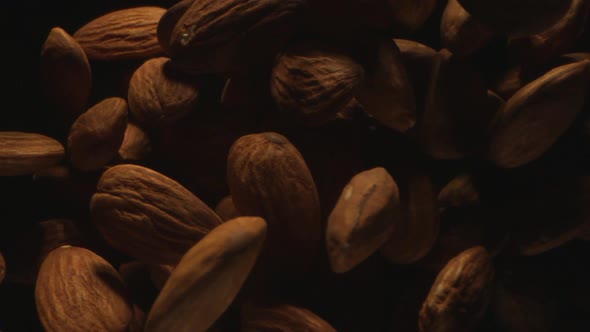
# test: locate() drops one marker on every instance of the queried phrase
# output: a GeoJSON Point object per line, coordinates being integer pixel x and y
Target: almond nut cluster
{"type": "Point", "coordinates": [304, 166]}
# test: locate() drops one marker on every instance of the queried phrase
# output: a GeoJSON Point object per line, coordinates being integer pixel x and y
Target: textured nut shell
{"type": "Point", "coordinates": [517, 17]}
{"type": "Point", "coordinates": [460, 294]}
{"type": "Point", "coordinates": [224, 36]}
{"type": "Point", "coordinates": [77, 290]}
{"type": "Point", "coordinates": [314, 84]}
{"type": "Point", "coordinates": [283, 318]}
{"type": "Point", "coordinates": [362, 220]}
{"type": "Point", "coordinates": [122, 35]}
{"type": "Point", "coordinates": [268, 177]}
{"type": "Point", "coordinates": [208, 277]}
{"type": "Point", "coordinates": [149, 216]}
{"type": "Point", "coordinates": [168, 22]}
{"type": "Point", "coordinates": [136, 144]}
{"type": "Point", "coordinates": [26, 153]}
{"type": "Point", "coordinates": [66, 77]}
{"type": "Point", "coordinates": [155, 98]}
{"type": "Point", "coordinates": [536, 116]}
{"type": "Point", "coordinates": [459, 192]}
{"type": "Point", "coordinates": [226, 209]}
{"type": "Point", "coordinates": [96, 136]}
{"type": "Point", "coordinates": [418, 230]}
{"type": "Point", "coordinates": [460, 32]}
{"type": "Point", "coordinates": [555, 40]}
{"type": "Point", "coordinates": [386, 94]}
{"type": "Point", "coordinates": [410, 15]}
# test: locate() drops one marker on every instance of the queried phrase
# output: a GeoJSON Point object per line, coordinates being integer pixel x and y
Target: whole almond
{"type": "Point", "coordinates": [362, 220]}
{"type": "Point", "coordinates": [418, 229]}
{"type": "Point", "coordinates": [96, 136]}
{"type": "Point", "coordinates": [77, 290]}
{"type": "Point", "coordinates": [25, 153]}
{"type": "Point", "coordinates": [226, 209]}
{"type": "Point", "coordinates": [387, 94]}
{"type": "Point", "coordinates": [168, 22]}
{"type": "Point", "coordinates": [65, 74]}
{"type": "Point", "coordinates": [460, 191]}
{"type": "Point", "coordinates": [538, 114]}
{"type": "Point", "coordinates": [122, 35]}
{"type": "Point", "coordinates": [460, 32]}
{"type": "Point", "coordinates": [268, 177]}
{"type": "Point", "coordinates": [156, 98]}
{"type": "Point", "coordinates": [208, 277]}
{"type": "Point", "coordinates": [555, 39]}
{"type": "Point", "coordinates": [410, 15]}
{"type": "Point", "coordinates": [460, 294]}
{"type": "Point", "coordinates": [282, 318]}
{"type": "Point", "coordinates": [314, 84]}
{"type": "Point", "coordinates": [136, 145]}
{"type": "Point", "coordinates": [231, 36]}
{"type": "Point", "coordinates": [148, 215]}
{"type": "Point", "coordinates": [418, 59]}
{"type": "Point", "coordinates": [517, 17]}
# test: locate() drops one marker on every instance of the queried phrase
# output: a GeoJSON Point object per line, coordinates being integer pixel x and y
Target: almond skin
{"type": "Point", "coordinates": [96, 136]}
{"type": "Point", "coordinates": [314, 84]}
{"type": "Point", "coordinates": [122, 35]}
{"type": "Point", "coordinates": [65, 74]}
{"type": "Point", "coordinates": [538, 114]}
{"type": "Point", "coordinates": [148, 215]}
{"type": "Point", "coordinates": [77, 290]}
{"type": "Point", "coordinates": [460, 294]}
{"type": "Point", "coordinates": [208, 277]}
{"type": "Point", "coordinates": [136, 145]}
{"type": "Point", "coordinates": [226, 209]}
{"type": "Point", "coordinates": [410, 15]}
{"type": "Point", "coordinates": [268, 177]}
{"type": "Point", "coordinates": [168, 22]}
{"type": "Point", "coordinates": [362, 220]}
{"type": "Point", "coordinates": [460, 32]}
{"type": "Point", "coordinates": [25, 153]}
{"type": "Point", "coordinates": [282, 318]}
{"type": "Point", "coordinates": [155, 98]}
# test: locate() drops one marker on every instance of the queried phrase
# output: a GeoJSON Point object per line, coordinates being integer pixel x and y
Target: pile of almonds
{"type": "Point", "coordinates": [305, 165]}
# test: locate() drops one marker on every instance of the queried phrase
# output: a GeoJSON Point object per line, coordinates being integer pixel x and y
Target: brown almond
{"type": "Point", "coordinates": [282, 318]}
{"type": "Point", "coordinates": [538, 114]}
{"type": "Point", "coordinates": [268, 177]}
{"type": "Point", "coordinates": [168, 22]}
{"type": "Point", "coordinates": [226, 209]}
{"type": "Point", "coordinates": [460, 32]}
{"type": "Point", "coordinates": [25, 153]}
{"type": "Point", "coordinates": [418, 229]}
{"type": "Point", "coordinates": [96, 136]}
{"type": "Point", "coordinates": [156, 98]}
{"type": "Point", "coordinates": [419, 60]}
{"type": "Point", "coordinates": [148, 215]}
{"type": "Point", "coordinates": [77, 290]}
{"type": "Point", "coordinates": [362, 220]}
{"type": "Point", "coordinates": [553, 41]}
{"type": "Point", "coordinates": [517, 17]}
{"type": "Point", "coordinates": [387, 94]}
{"type": "Point", "coordinates": [460, 294]}
{"type": "Point", "coordinates": [410, 15]}
{"type": "Point", "coordinates": [122, 35]}
{"type": "Point", "coordinates": [314, 84]}
{"type": "Point", "coordinates": [159, 274]}
{"type": "Point", "coordinates": [66, 77]}
{"type": "Point", "coordinates": [232, 36]}
{"type": "Point", "coordinates": [460, 191]}
{"type": "Point", "coordinates": [136, 145]}
{"type": "Point", "coordinates": [208, 277]}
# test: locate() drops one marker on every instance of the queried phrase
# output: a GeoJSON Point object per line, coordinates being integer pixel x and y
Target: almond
{"type": "Point", "coordinates": [77, 290]}
{"type": "Point", "coordinates": [156, 98]}
{"type": "Point", "coordinates": [226, 209]}
{"type": "Point", "coordinates": [460, 191]}
{"type": "Point", "coordinates": [410, 15]}
{"type": "Point", "coordinates": [168, 22]}
{"type": "Point", "coordinates": [314, 84]}
{"type": "Point", "coordinates": [460, 294]}
{"type": "Point", "coordinates": [208, 277]}
{"type": "Point", "coordinates": [460, 32]}
{"type": "Point", "coordinates": [282, 318]}
{"type": "Point", "coordinates": [25, 153]}
{"type": "Point", "coordinates": [148, 215]}
{"type": "Point", "coordinates": [122, 35]}
{"type": "Point", "coordinates": [362, 220]}
{"type": "Point", "coordinates": [268, 177]}
{"type": "Point", "coordinates": [159, 274]}
{"type": "Point", "coordinates": [136, 145]}
{"type": "Point", "coordinates": [65, 74]}
{"type": "Point", "coordinates": [538, 114]}
{"type": "Point", "coordinates": [96, 136]}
